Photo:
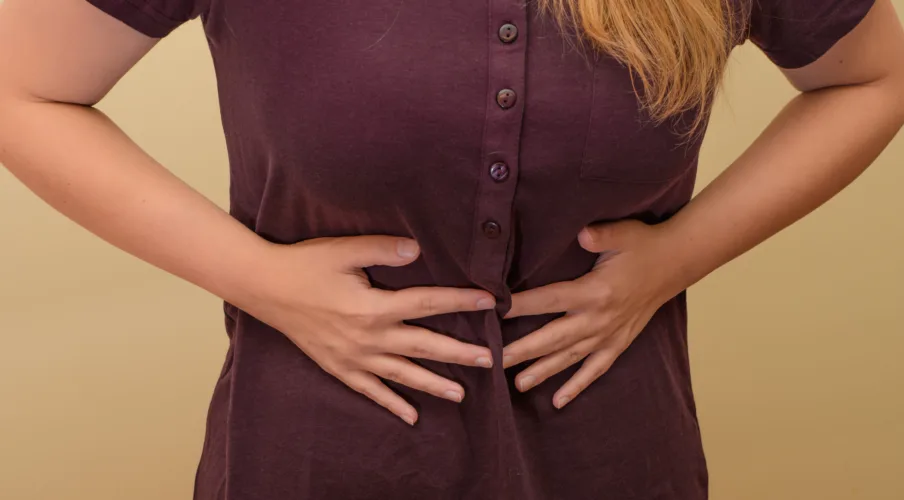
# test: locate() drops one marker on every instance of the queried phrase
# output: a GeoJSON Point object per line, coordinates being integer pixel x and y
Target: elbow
{"type": "Point", "coordinates": [12, 106]}
{"type": "Point", "coordinates": [7, 110]}
{"type": "Point", "coordinates": [899, 106]}
{"type": "Point", "coordinates": [13, 98]}
{"type": "Point", "coordinates": [895, 89]}
{"type": "Point", "coordinates": [10, 101]}
{"type": "Point", "coordinates": [891, 90]}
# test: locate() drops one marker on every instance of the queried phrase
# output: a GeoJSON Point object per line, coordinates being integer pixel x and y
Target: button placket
{"type": "Point", "coordinates": [502, 130]}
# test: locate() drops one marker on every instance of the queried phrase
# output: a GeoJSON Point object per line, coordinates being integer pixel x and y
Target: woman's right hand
{"type": "Point", "coordinates": [318, 295]}
{"type": "Point", "coordinates": [63, 57]}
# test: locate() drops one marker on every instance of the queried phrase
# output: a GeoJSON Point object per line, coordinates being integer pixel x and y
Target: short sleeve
{"type": "Point", "coordinates": [794, 33]}
{"type": "Point", "coordinates": [154, 18]}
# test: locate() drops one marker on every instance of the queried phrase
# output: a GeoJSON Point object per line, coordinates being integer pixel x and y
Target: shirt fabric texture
{"type": "Point", "coordinates": [476, 128]}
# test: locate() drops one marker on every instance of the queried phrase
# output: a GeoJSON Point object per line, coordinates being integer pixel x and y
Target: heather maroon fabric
{"type": "Point", "coordinates": [381, 117]}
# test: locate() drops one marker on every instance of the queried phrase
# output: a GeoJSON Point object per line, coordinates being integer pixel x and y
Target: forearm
{"type": "Point", "coordinates": [83, 165]}
{"type": "Point", "coordinates": [817, 145]}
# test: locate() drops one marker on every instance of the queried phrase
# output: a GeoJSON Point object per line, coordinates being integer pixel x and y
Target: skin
{"type": "Point", "coordinates": [60, 57]}
{"type": "Point", "coordinates": [850, 107]}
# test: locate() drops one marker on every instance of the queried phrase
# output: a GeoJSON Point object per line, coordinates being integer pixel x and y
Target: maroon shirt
{"type": "Point", "coordinates": [472, 127]}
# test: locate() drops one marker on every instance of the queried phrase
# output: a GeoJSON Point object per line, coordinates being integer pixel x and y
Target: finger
{"type": "Point", "coordinates": [402, 371]}
{"type": "Point", "coordinates": [371, 386]}
{"type": "Point", "coordinates": [415, 342]}
{"type": "Point", "coordinates": [424, 301]}
{"type": "Point", "coordinates": [548, 366]}
{"type": "Point", "coordinates": [598, 238]}
{"type": "Point", "coordinates": [556, 297]}
{"type": "Point", "coordinates": [553, 336]}
{"type": "Point", "coordinates": [371, 250]}
{"type": "Point", "coordinates": [594, 366]}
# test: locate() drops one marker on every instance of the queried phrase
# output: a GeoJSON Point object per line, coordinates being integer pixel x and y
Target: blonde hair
{"type": "Point", "coordinates": [675, 49]}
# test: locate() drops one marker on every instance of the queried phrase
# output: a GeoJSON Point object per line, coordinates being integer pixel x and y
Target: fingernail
{"type": "Point", "coordinates": [586, 235]}
{"type": "Point", "coordinates": [409, 419]}
{"type": "Point", "coordinates": [453, 396]}
{"type": "Point", "coordinates": [486, 303]}
{"type": "Point", "coordinates": [406, 248]}
{"type": "Point", "coordinates": [562, 401]}
{"type": "Point", "coordinates": [527, 382]}
{"type": "Point", "coordinates": [484, 362]}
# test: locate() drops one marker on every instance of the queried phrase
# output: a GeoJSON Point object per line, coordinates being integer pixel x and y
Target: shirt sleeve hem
{"type": "Point", "coordinates": [139, 16]}
{"type": "Point", "coordinates": [821, 43]}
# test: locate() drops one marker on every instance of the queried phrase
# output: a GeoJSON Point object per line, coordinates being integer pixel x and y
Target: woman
{"type": "Point", "coordinates": [475, 215]}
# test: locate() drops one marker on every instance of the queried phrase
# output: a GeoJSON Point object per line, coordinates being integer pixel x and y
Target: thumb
{"type": "Point", "coordinates": [374, 250]}
{"type": "Point", "coordinates": [597, 238]}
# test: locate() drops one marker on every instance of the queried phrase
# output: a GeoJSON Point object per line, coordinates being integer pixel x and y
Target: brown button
{"type": "Point", "coordinates": [499, 171]}
{"type": "Point", "coordinates": [506, 98]}
{"type": "Point", "coordinates": [508, 33]}
{"type": "Point", "coordinates": [491, 229]}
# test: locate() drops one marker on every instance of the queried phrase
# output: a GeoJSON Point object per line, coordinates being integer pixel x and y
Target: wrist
{"type": "Point", "coordinates": [244, 275]}
{"type": "Point", "coordinates": [682, 264]}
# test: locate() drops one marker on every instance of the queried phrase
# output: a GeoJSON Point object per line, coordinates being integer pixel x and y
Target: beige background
{"type": "Point", "coordinates": [106, 364]}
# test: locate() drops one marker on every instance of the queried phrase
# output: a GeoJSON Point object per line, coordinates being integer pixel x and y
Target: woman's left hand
{"type": "Point", "coordinates": [605, 309]}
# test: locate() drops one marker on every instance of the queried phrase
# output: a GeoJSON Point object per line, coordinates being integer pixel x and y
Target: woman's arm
{"type": "Point", "coordinates": [851, 107]}
{"type": "Point", "coordinates": [60, 57]}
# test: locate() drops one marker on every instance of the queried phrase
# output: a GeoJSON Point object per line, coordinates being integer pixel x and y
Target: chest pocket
{"type": "Point", "coordinates": [624, 144]}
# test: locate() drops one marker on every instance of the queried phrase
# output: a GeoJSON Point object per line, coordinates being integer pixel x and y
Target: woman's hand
{"type": "Point", "coordinates": [605, 309]}
{"type": "Point", "coordinates": [317, 294]}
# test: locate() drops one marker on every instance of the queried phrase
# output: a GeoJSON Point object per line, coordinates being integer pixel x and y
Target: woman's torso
{"type": "Point", "coordinates": [384, 117]}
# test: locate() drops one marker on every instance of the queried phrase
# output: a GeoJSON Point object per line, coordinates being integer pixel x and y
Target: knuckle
{"type": "Point", "coordinates": [427, 304]}
{"type": "Point", "coordinates": [331, 349]}
{"type": "Point", "coordinates": [604, 292]}
{"type": "Point", "coordinates": [574, 355]}
{"type": "Point", "coordinates": [591, 322]}
{"type": "Point", "coordinates": [559, 337]}
{"type": "Point", "coordinates": [364, 314]}
{"type": "Point", "coordinates": [596, 343]}
{"type": "Point", "coordinates": [332, 370]}
{"type": "Point", "coordinates": [370, 322]}
{"type": "Point", "coordinates": [344, 351]}
{"type": "Point", "coordinates": [357, 385]}
{"type": "Point", "coordinates": [394, 376]}
{"type": "Point", "coordinates": [419, 350]}
{"type": "Point", "coordinates": [596, 372]}
{"type": "Point", "coordinates": [346, 366]}
{"type": "Point", "coordinates": [371, 307]}
{"type": "Point", "coordinates": [367, 342]}
{"type": "Point", "coordinates": [370, 394]}
{"type": "Point", "coordinates": [349, 309]}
